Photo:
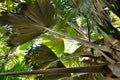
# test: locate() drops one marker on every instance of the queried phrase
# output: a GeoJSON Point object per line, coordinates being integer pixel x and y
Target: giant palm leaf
{"type": "Point", "coordinates": [42, 57]}
{"type": "Point", "coordinates": [25, 27]}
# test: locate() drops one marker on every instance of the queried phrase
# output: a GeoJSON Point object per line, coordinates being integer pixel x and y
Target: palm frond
{"type": "Point", "coordinates": [25, 27]}
{"type": "Point", "coordinates": [20, 29]}
{"type": "Point", "coordinates": [41, 11]}
{"type": "Point", "coordinates": [42, 57]}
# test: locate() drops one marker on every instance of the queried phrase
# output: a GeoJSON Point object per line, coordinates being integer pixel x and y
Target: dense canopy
{"type": "Point", "coordinates": [59, 39]}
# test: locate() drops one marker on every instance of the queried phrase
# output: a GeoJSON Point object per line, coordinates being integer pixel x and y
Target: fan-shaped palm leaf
{"type": "Point", "coordinates": [41, 56]}
{"type": "Point", "coordinates": [25, 27]}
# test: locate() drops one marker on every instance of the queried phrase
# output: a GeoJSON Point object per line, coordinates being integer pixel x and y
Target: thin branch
{"type": "Point", "coordinates": [89, 69]}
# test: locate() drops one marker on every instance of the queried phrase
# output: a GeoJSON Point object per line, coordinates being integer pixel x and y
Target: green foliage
{"type": "Point", "coordinates": [34, 34]}
{"type": "Point", "coordinates": [18, 66]}
{"type": "Point", "coordinates": [25, 46]}
{"type": "Point", "coordinates": [56, 44]}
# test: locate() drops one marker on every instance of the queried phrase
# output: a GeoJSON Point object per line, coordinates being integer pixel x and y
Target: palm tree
{"type": "Point", "coordinates": [88, 25]}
